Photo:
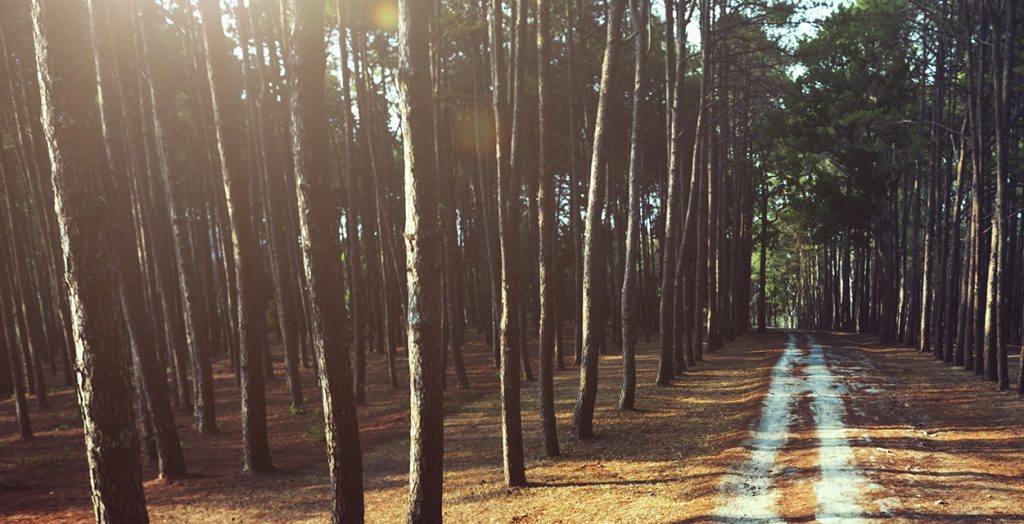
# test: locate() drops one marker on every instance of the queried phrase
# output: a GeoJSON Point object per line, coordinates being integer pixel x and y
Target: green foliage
{"type": "Point", "coordinates": [846, 117]}
{"type": "Point", "coordinates": [843, 136]}
{"type": "Point", "coordinates": [851, 107]}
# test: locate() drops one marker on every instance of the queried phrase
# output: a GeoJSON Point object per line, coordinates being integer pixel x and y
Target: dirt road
{"type": "Point", "coordinates": [842, 439]}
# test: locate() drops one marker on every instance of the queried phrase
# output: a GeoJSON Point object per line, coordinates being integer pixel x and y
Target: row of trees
{"type": "Point", "coordinates": [183, 179]}
{"type": "Point", "coordinates": [907, 222]}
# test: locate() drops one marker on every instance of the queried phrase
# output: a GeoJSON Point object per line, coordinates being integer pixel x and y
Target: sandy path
{"type": "Point", "coordinates": [752, 491]}
{"type": "Point", "coordinates": [841, 482]}
{"type": "Point", "coordinates": [748, 493]}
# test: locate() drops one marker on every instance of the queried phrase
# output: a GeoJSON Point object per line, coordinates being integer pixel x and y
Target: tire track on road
{"type": "Point", "coordinates": [748, 493]}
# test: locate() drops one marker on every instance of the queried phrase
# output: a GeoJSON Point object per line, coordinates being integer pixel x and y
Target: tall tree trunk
{"type": "Point", "coordinates": [547, 224]}
{"type": "Point", "coordinates": [518, 271]}
{"type": "Point", "coordinates": [979, 152]}
{"type": "Point", "coordinates": [762, 271]}
{"type": "Point", "coordinates": [423, 241]}
{"type": "Point", "coordinates": [321, 250]}
{"type": "Point", "coordinates": [702, 176]}
{"type": "Point", "coordinates": [248, 271]}
{"type": "Point", "coordinates": [583, 412]}
{"type": "Point", "coordinates": [1003, 30]}
{"type": "Point", "coordinates": [639, 14]}
{"type": "Point", "coordinates": [359, 302]}
{"type": "Point", "coordinates": [667, 317]}
{"type": "Point", "coordinates": [575, 225]}
{"type": "Point", "coordinates": [380, 247]}
{"type": "Point", "coordinates": [683, 203]}
{"type": "Point", "coordinates": [453, 267]}
{"type": "Point", "coordinates": [275, 202]}
{"type": "Point", "coordinates": [953, 349]}
{"type": "Point", "coordinates": [115, 43]}
{"type": "Point", "coordinates": [513, 461]}
{"type": "Point", "coordinates": [488, 214]}
{"type": "Point", "coordinates": [81, 177]}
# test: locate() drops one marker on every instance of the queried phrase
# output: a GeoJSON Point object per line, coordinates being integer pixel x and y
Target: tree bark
{"type": "Point", "coordinates": [115, 41]}
{"type": "Point", "coordinates": [275, 203]}
{"type": "Point", "coordinates": [996, 365]}
{"type": "Point", "coordinates": [454, 312]}
{"type": "Point", "coordinates": [667, 319]}
{"type": "Point", "coordinates": [547, 220]}
{"type": "Point", "coordinates": [513, 461]}
{"type": "Point", "coordinates": [81, 176]}
{"type": "Point", "coordinates": [321, 250]}
{"type": "Point", "coordinates": [175, 186]}
{"type": "Point", "coordinates": [423, 241]}
{"type": "Point", "coordinates": [639, 15]}
{"type": "Point", "coordinates": [248, 271]}
{"type": "Point", "coordinates": [583, 412]}
{"type": "Point", "coordinates": [359, 302]}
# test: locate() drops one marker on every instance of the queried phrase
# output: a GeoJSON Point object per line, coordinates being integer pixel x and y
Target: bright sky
{"type": "Point", "coordinates": [809, 14]}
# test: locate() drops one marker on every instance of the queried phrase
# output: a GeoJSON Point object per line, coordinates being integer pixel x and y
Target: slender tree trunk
{"type": "Point", "coordinates": [321, 250]}
{"type": "Point", "coordinates": [26, 285]}
{"type": "Point", "coordinates": [511, 422]}
{"type": "Point", "coordinates": [996, 365]}
{"type": "Point", "coordinates": [424, 242]}
{"type": "Point", "coordinates": [381, 247]}
{"type": "Point", "coordinates": [575, 225]}
{"type": "Point", "coordinates": [762, 271]}
{"type": "Point", "coordinates": [486, 204]}
{"type": "Point", "coordinates": [275, 203]}
{"type": "Point", "coordinates": [115, 43]}
{"type": "Point", "coordinates": [583, 413]}
{"type": "Point", "coordinates": [453, 265]}
{"type": "Point", "coordinates": [702, 178]}
{"type": "Point", "coordinates": [547, 224]}
{"type": "Point", "coordinates": [683, 202]}
{"type": "Point", "coordinates": [359, 302]}
{"type": "Point", "coordinates": [980, 152]}
{"type": "Point", "coordinates": [518, 270]}
{"type": "Point", "coordinates": [953, 350]}
{"type": "Point", "coordinates": [666, 322]}
{"type": "Point", "coordinates": [237, 187]}
{"type": "Point", "coordinates": [639, 13]}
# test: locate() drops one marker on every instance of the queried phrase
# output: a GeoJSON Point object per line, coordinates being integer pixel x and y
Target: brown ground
{"type": "Point", "coordinates": [943, 446]}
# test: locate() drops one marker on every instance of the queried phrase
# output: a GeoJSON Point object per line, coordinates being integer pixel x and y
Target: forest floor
{"type": "Point", "coordinates": [798, 427]}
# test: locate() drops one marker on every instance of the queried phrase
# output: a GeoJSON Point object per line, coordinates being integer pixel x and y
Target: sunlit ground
{"type": "Point", "coordinates": [935, 444]}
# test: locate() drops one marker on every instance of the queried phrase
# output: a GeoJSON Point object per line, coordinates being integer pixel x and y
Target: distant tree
{"type": "Point", "coordinates": [7, 315]}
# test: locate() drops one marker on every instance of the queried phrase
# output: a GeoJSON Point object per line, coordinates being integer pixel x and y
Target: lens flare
{"type": "Point", "coordinates": [470, 122]}
{"type": "Point", "coordinates": [384, 14]}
